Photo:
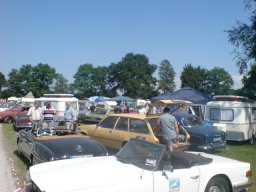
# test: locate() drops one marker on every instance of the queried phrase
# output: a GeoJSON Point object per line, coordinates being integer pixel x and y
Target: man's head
{"type": "Point", "coordinates": [68, 104]}
{"type": "Point", "coordinates": [166, 110]}
{"type": "Point", "coordinates": [48, 105]}
{"type": "Point", "coordinates": [37, 104]}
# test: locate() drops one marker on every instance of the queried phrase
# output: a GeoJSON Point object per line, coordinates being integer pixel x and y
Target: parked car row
{"type": "Point", "coordinates": [63, 162]}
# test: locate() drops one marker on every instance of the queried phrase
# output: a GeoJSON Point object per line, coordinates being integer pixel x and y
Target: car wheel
{"type": "Point", "coordinates": [8, 119]}
{"type": "Point", "coordinates": [219, 184]}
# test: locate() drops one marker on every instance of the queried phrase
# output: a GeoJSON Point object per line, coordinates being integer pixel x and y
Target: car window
{"type": "Point", "coordinates": [153, 123]}
{"type": "Point", "coordinates": [109, 122]}
{"type": "Point", "coordinates": [122, 124]}
{"type": "Point", "coordinates": [138, 126]}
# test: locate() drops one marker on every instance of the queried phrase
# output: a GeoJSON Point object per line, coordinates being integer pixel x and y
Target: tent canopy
{"type": "Point", "coordinates": [122, 99]}
{"type": "Point", "coordinates": [186, 93]}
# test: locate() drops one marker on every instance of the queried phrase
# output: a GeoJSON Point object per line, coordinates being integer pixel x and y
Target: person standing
{"type": "Point", "coordinates": [35, 114]}
{"type": "Point", "coordinates": [169, 129]}
{"type": "Point", "coordinates": [69, 116]}
{"type": "Point", "coordinates": [49, 115]}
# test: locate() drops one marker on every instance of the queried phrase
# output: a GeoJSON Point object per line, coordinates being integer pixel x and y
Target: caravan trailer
{"type": "Point", "coordinates": [235, 115]}
{"type": "Point", "coordinates": [58, 102]}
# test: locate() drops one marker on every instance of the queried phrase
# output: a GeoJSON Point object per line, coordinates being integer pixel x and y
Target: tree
{"type": "Point", "coordinates": [90, 81]}
{"type": "Point", "coordinates": [219, 82]}
{"type": "Point", "coordinates": [37, 79]}
{"type": "Point", "coordinates": [133, 76]}
{"type": "Point", "coordinates": [166, 77]}
{"type": "Point", "coordinates": [60, 84]}
{"type": "Point", "coordinates": [249, 82]}
{"type": "Point", "coordinates": [2, 81]}
{"type": "Point", "coordinates": [194, 77]}
{"type": "Point", "coordinates": [243, 37]}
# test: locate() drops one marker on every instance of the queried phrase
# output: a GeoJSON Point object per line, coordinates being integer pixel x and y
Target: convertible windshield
{"type": "Point", "coordinates": [141, 154]}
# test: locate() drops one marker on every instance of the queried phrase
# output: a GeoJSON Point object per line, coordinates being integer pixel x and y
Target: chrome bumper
{"type": "Point", "coordinates": [242, 187]}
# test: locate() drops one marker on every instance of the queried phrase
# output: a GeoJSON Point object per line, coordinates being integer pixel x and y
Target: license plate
{"type": "Point", "coordinates": [216, 139]}
{"type": "Point", "coordinates": [81, 156]}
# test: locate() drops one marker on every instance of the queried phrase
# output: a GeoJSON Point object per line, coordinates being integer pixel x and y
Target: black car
{"type": "Point", "coordinates": [66, 147]}
{"type": "Point", "coordinates": [202, 137]}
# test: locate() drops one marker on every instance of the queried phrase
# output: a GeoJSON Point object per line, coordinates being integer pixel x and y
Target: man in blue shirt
{"type": "Point", "coordinates": [169, 129]}
{"type": "Point", "coordinates": [69, 116]}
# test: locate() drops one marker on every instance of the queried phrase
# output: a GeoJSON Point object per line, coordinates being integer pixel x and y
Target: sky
{"type": "Point", "coordinates": [68, 33]}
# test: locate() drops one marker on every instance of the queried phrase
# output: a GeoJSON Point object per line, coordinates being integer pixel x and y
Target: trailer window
{"type": "Point", "coordinates": [217, 114]}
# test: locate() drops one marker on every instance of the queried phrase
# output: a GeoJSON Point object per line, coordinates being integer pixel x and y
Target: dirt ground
{"type": "Point", "coordinates": [7, 178]}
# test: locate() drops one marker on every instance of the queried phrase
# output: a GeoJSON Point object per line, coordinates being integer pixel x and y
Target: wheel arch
{"type": "Point", "coordinates": [220, 176]}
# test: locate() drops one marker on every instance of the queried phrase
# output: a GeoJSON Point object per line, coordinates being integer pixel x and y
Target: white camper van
{"type": "Point", "coordinates": [58, 102]}
{"type": "Point", "coordinates": [235, 115]}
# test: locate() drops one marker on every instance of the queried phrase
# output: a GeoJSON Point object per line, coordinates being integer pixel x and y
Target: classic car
{"type": "Point", "coordinates": [202, 137]}
{"type": "Point", "coordinates": [142, 166]}
{"type": "Point", "coordinates": [8, 115]}
{"type": "Point", "coordinates": [40, 133]}
{"type": "Point", "coordinates": [21, 121]}
{"type": "Point", "coordinates": [116, 129]}
{"type": "Point", "coordinates": [94, 117]}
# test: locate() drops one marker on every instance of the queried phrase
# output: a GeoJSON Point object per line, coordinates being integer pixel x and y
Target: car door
{"type": "Point", "coordinates": [104, 132]}
{"type": "Point", "coordinates": [139, 128]}
{"type": "Point", "coordinates": [26, 143]}
{"type": "Point", "coordinates": [182, 180]}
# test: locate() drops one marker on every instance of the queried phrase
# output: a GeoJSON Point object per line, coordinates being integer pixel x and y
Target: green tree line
{"type": "Point", "coordinates": [132, 76]}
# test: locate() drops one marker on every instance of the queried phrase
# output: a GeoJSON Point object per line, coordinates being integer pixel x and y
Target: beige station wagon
{"type": "Point", "coordinates": [117, 129]}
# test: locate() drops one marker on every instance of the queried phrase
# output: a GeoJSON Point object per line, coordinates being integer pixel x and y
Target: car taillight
{"type": "Point", "coordinates": [249, 173]}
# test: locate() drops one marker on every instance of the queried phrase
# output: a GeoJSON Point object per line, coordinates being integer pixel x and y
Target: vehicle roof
{"type": "Point", "coordinates": [134, 115]}
{"type": "Point", "coordinates": [172, 102]}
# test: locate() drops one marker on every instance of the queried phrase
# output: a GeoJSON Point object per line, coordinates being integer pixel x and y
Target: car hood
{"type": "Point", "coordinates": [82, 174]}
{"type": "Point", "coordinates": [203, 130]}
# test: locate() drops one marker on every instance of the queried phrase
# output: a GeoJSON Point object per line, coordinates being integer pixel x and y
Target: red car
{"type": "Point", "coordinates": [9, 115]}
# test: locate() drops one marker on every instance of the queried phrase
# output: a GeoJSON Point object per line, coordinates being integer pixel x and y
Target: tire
{"type": "Point", "coordinates": [8, 119]}
{"type": "Point", "coordinates": [218, 184]}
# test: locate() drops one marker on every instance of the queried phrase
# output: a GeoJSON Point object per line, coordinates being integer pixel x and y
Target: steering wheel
{"type": "Point", "coordinates": [44, 132]}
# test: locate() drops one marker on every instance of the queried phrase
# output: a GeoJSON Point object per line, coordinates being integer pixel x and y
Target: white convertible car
{"type": "Point", "coordinates": [141, 166]}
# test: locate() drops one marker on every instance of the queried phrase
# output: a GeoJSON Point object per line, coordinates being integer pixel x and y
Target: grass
{"type": "Point", "coordinates": [240, 151]}
{"type": "Point", "coordinates": [243, 152]}
{"type": "Point", "coordinates": [20, 163]}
